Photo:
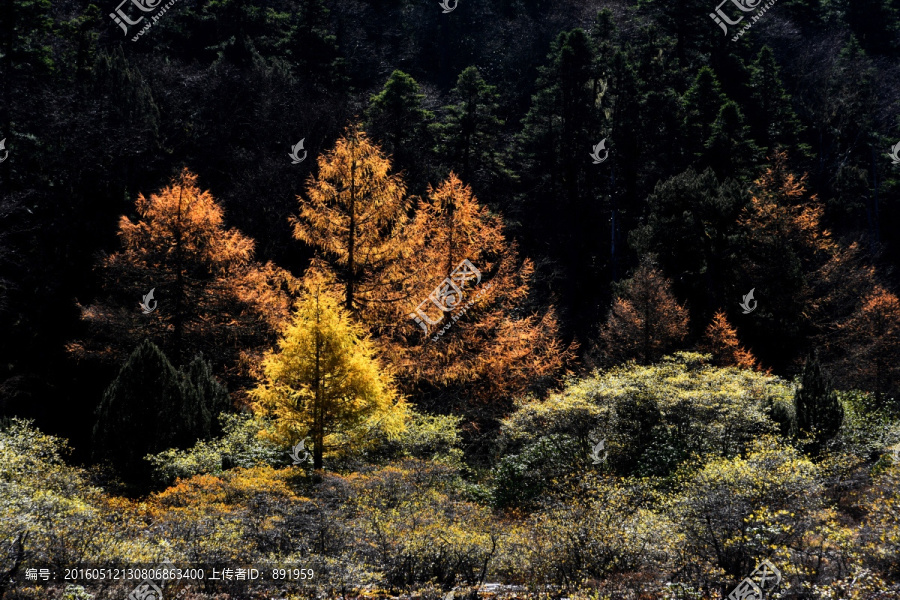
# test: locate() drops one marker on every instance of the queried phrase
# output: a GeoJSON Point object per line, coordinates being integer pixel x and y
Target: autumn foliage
{"type": "Point", "coordinates": [385, 266]}
{"type": "Point", "coordinates": [325, 382]}
{"type": "Point", "coordinates": [212, 297]}
{"type": "Point", "coordinates": [645, 320]}
{"type": "Point", "coordinates": [478, 338]}
{"type": "Point", "coordinates": [720, 340]}
{"type": "Point", "coordinates": [353, 213]}
{"type": "Point", "coordinates": [870, 339]}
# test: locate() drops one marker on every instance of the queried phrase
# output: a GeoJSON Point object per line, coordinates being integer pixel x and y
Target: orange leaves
{"type": "Point", "coordinates": [497, 349]}
{"type": "Point", "coordinates": [230, 489]}
{"type": "Point", "coordinates": [721, 341]}
{"type": "Point", "coordinates": [354, 215]}
{"type": "Point", "coordinates": [778, 213]}
{"type": "Point", "coordinates": [183, 223]}
{"type": "Point", "coordinates": [645, 321]}
{"type": "Point", "coordinates": [450, 226]}
{"type": "Point", "coordinates": [387, 264]}
{"type": "Point", "coordinates": [871, 337]}
{"type": "Point", "coordinates": [213, 297]}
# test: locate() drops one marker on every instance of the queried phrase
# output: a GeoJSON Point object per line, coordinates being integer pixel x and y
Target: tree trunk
{"type": "Point", "coordinates": [318, 409]}
{"type": "Point", "coordinates": [179, 282]}
{"type": "Point", "coordinates": [351, 243]}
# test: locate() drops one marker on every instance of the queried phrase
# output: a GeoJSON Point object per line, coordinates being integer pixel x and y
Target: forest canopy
{"type": "Point", "coordinates": [514, 298]}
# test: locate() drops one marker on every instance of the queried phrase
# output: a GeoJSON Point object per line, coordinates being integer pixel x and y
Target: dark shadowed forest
{"type": "Point", "coordinates": [449, 299]}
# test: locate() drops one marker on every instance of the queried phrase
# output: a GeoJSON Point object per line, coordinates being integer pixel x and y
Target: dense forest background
{"type": "Point", "coordinates": [164, 163]}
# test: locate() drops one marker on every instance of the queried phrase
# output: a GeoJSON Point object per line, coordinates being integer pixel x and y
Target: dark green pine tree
{"type": "Point", "coordinates": [875, 24]}
{"type": "Point", "coordinates": [313, 49]}
{"type": "Point", "coordinates": [818, 412]}
{"type": "Point", "coordinates": [151, 406]}
{"type": "Point", "coordinates": [233, 31]}
{"type": "Point", "coordinates": [397, 119]}
{"type": "Point", "coordinates": [689, 23]}
{"type": "Point", "coordinates": [730, 151]}
{"type": "Point", "coordinates": [205, 399]}
{"type": "Point", "coordinates": [699, 207]}
{"type": "Point", "coordinates": [469, 136]}
{"type": "Point", "coordinates": [26, 59]}
{"type": "Point", "coordinates": [124, 129]}
{"type": "Point", "coordinates": [773, 121]}
{"type": "Point", "coordinates": [702, 104]}
{"type": "Point", "coordinates": [563, 212]}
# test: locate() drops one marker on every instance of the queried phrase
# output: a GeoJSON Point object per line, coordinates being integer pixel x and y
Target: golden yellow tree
{"type": "Point", "coordinates": [722, 342]}
{"type": "Point", "coordinates": [209, 295]}
{"type": "Point", "coordinates": [324, 380]}
{"type": "Point", "coordinates": [467, 334]}
{"type": "Point", "coordinates": [645, 321]}
{"type": "Point", "coordinates": [353, 214]}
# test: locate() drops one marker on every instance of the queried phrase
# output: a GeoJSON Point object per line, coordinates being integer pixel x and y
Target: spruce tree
{"type": "Point", "coordinates": [563, 212]}
{"type": "Point", "coordinates": [703, 103]}
{"type": "Point", "coordinates": [818, 412]}
{"type": "Point", "coordinates": [397, 118]}
{"type": "Point", "coordinates": [314, 50]}
{"type": "Point", "coordinates": [772, 119]}
{"type": "Point", "coordinates": [469, 136]}
{"type": "Point", "coordinates": [729, 150]}
{"type": "Point", "coordinates": [205, 399]}
{"type": "Point", "coordinates": [151, 406]}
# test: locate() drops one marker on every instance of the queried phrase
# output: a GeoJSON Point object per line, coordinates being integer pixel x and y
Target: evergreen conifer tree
{"type": "Point", "coordinates": [152, 406]}
{"type": "Point", "coordinates": [772, 119]}
{"type": "Point", "coordinates": [818, 411]}
{"type": "Point", "coordinates": [397, 118]}
{"type": "Point", "coordinates": [469, 136]}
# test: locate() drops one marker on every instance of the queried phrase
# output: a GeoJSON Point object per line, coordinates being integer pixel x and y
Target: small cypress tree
{"type": "Point", "coordinates": [152, 406]}
{"type": "Point", "coordinates": [206, 399]}
{"type": "Point", "coordinates": [818, 412]}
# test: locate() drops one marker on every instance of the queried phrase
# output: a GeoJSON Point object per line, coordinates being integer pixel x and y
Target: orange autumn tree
{"type": "Point", "coordinates": [384, 265]}
{"type": "Point", "coordinates": [468, 334]}
{"type": "Point", "coordinates": [720, 340]}
{"type": "Point", "coordinates": [645, 320]}
{"type": "Point", "coordinates": [870, 340]}
{"type": "Point", "coordinates": [782, 245]}
{"type": "Point", "coordinates": [209, 294]}
{"type": "Point", "coordinates": [353, 214]}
